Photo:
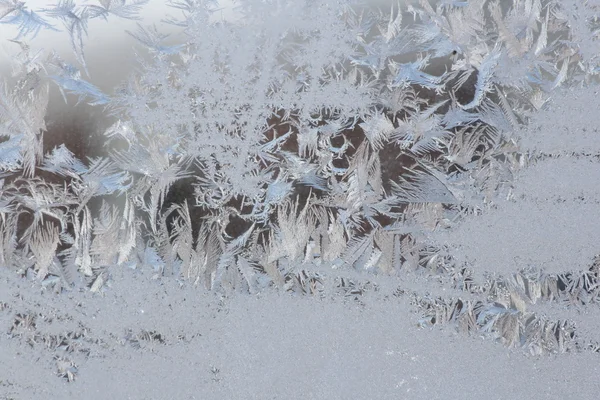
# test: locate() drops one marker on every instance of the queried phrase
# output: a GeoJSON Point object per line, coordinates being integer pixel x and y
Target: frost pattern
{"type": "Point", "coordinates": [313, 147]}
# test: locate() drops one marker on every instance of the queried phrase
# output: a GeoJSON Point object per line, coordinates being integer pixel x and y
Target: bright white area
{"type": "Point", "coordinates": [108, 48]}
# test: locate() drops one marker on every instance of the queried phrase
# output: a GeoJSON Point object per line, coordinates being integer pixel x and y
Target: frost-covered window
{"type": "Point", "coordinates": [314, 147]}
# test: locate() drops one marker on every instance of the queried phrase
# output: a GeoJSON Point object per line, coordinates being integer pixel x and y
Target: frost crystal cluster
{"type": "Point", "coordinates": [312, 146]}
